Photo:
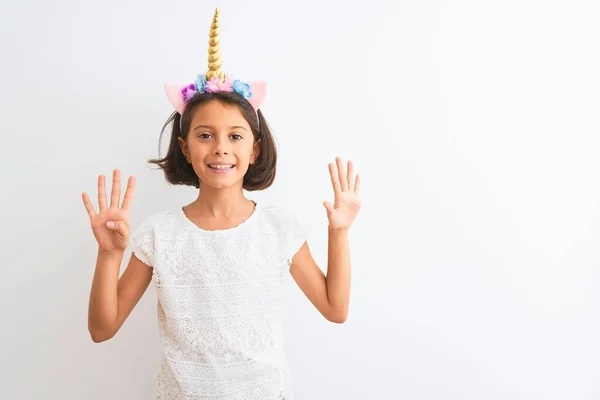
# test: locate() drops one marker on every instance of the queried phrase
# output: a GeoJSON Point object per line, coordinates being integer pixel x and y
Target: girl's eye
{"type": "Point", "coordinates": [234, 136]}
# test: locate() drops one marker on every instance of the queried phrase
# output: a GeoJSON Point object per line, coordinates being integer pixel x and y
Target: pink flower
{"type": "Point", "coordinates": [215, 85]}
{"type": "Point", "coordinates": [226, 86]}
{"type": "Point", "coordinates": [212, 86]}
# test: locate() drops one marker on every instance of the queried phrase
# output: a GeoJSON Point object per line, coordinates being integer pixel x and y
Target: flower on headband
{"type": "Point", "coordinates": [201, 83]}
{"type": "Point", "coordinates": [226, 85]}
{"type": "Point", "coordinates": [215, 85]}
{"type": "Point", "coordinates": [189, 91]}
{"type": "Point", "coordinates": [242, 88]}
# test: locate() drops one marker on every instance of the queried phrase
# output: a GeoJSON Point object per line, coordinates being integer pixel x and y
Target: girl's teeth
{"type": "Point", "coordinates": [221, 166]}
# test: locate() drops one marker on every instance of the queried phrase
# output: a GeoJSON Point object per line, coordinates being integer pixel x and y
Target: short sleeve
{"type": "Point", "coordinates": [296, 235]}
{"type": "Point", "coordinates": [143, 243]}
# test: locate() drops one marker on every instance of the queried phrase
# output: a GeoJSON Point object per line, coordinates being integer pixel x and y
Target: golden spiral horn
{"type": "Point", "coordinates": [214, 50]}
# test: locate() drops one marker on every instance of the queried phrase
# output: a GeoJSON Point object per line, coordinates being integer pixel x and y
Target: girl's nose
{"type": "Point", "coordinates": [221, 147]}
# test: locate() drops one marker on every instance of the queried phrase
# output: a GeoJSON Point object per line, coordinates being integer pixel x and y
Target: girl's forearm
{"type": "Point", "coordinates": [338, 274]}
{"type": "Point", "coordinates": [104, 305]}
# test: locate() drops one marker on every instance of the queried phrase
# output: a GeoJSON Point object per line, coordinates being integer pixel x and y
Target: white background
{"type": "Point", "coordinates": [474, 125]}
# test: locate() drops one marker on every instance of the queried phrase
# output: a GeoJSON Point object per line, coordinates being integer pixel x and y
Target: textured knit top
{"type": "Point", "coordinates": [220, 304]}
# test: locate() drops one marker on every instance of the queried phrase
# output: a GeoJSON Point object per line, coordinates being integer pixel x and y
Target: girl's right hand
{"type": "Point", "coordinates": [111, 224]}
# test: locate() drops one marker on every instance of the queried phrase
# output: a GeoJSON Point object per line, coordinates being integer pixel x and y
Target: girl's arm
{"type": "Point", "coordinates": [331, 294]}
{"type": "Point", "coordinates": [112, 299]}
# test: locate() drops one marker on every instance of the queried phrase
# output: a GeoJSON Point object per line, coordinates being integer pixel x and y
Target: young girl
{"type": "Point", "coordinates": [218, 263]}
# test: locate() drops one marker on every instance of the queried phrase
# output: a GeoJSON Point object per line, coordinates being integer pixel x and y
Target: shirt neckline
{"type": "Point", "coordinates": [238, 227]}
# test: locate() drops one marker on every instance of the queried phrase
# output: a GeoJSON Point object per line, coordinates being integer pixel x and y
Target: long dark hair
{"type": "Point", "coordinates": [178, 171]}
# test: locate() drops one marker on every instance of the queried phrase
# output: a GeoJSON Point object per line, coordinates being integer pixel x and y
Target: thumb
{"type": "Point", "coordinates": [328, 207]}
{"type": "Point", "coordinates": [117, 226]}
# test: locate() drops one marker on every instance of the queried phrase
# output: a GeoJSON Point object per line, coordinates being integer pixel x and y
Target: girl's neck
{"type": "Point", "coordinates": [220, 203]}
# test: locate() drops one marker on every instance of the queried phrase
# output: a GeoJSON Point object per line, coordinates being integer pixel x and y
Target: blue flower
{"type": "Point", "coordinates": [242, 88]}
{"type": "Point", "coordinates": [201, 83]}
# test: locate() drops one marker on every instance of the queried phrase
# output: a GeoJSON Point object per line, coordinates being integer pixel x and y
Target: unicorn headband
{"type": "Point", "coordinates": [215, 80]}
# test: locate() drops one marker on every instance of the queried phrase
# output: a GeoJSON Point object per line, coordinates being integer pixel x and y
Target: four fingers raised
{"type": "Point", "coordinates": [115, 194]}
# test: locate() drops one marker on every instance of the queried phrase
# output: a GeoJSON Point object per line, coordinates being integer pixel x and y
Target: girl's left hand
{"type": "Point", "coordinates": [346, 201]}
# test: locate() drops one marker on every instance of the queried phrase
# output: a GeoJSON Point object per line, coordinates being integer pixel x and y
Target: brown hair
{"type": "Point", "coordinates": [178, 171]}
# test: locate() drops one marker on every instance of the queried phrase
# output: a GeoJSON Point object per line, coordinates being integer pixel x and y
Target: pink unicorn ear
{"type": "Point", "coordinates": [175, 96]}
{"type": "Point", "coordinates": [259, 92]}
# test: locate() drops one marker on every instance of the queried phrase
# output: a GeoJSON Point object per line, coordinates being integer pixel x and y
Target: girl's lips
{"type": "Point", "coordinates": [221, 168]}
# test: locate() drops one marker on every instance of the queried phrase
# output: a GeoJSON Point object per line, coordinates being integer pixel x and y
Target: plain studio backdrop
{"type": "Point", "coordinates": [474, 126]}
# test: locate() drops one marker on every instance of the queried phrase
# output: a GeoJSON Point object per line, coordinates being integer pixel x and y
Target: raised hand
{"type": "Point", "coordinates": [111, 224]}
{"type": "Point", "coordinates": [346, 191]}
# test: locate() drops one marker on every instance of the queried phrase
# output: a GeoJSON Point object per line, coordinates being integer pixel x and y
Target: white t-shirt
{"type": "Point", "coordinates": [220, 304]}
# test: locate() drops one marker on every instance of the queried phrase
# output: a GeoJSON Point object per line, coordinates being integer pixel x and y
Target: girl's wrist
{"type": "Point", "coordinates": [338, 230]}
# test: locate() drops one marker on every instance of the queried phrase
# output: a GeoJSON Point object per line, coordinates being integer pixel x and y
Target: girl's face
{"type": "Point", "coordinates": [220, 145]}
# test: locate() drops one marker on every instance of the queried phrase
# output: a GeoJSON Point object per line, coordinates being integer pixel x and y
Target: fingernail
{"type": "Point", "coordinates": [110, 224]}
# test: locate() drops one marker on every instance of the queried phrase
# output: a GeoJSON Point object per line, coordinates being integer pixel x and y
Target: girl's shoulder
{"type": "Point", "coordinates": [162, 219]}
{"type": "Point", "coordinates": [283, 225]}
{"type": "Point", "coordinates": [274, 212]}
{"type": "Point", "coordinates": [278, 217]}
{"type": "Point", "coordinates": [160, 216]}
{"type": "Point", "coordinates": [148, 232]}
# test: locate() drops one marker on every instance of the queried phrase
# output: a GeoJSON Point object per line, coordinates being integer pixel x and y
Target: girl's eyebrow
{"type": "Point", "coordinates": [212, 127]}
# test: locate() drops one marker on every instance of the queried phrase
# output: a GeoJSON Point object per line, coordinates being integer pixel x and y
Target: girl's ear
{"type": "Point", "coordinates": [255, 152]}
{"type": "Point", "coordinates": [184, 149]}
